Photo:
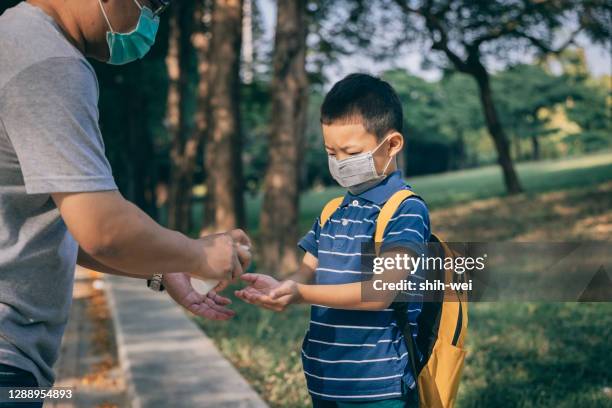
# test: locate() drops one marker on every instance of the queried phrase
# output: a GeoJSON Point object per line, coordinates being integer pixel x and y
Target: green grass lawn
{"type": "Point", "coordinates": [447, 189]}
{"type": "Point", "coordinates": [519, 354]}
{"type": "Point", "coordinates": [538, 355]}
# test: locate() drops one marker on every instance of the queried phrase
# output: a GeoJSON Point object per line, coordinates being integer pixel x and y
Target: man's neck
{"type": "Point", "coordinates": [64, 19]}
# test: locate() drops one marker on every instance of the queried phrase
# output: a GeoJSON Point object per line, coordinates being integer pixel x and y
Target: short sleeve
{"type": "Point", "coordinates": [310, 241]}
{"type": "Point", "coordinates": [49, 112]}
{"type": "Point", "coordinates": [408, 227]}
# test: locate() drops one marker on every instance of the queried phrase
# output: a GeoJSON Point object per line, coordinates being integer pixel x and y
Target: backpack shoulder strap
{"type": "Point", "coordinates": [401, 315]}
{"type": "Point", "coordinates": [387, 212]}
{"type": "Point", "coordinates": [329, 209]}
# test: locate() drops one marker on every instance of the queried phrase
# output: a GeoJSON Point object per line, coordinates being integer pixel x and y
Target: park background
{"type": "Point", "coordinates": [508, 137]}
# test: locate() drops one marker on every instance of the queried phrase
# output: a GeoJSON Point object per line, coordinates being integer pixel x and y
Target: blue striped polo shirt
{"type": "Point", "coordinates": [353, 355]}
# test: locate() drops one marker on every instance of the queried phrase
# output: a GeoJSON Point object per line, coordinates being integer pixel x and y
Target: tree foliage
{"type": "Point", "coordinates": [444, 118]}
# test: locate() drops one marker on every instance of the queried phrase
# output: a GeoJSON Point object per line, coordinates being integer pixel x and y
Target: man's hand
{"type": "Point", "coordinates": [224, 256]}
{"type": "Point", "coordinates": [210, 306]}
{"type": "Point", "coordinates": [267, 292]}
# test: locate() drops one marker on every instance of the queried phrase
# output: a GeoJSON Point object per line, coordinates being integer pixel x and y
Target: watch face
{"type": "Point", "coordinates": [155, 283]}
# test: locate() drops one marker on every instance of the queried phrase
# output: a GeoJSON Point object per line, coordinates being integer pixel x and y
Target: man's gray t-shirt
{"type": "Point", "coordinates": [50, 142]}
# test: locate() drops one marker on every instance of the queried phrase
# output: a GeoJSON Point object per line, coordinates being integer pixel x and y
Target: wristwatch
{"type": "Point", "coordinates": [155, 283]}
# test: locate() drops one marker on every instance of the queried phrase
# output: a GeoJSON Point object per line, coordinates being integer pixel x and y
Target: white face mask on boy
{"type": "Point", "coordinates": [357, 173]}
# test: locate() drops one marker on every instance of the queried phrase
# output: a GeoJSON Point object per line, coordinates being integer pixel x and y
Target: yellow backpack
{"type": "Point", "coordinates": [442, 325]}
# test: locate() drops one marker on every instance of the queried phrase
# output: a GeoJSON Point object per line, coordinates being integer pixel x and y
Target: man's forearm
{"type": "Point", "coordinates": [87, 261]}
{"type": "Point", "coordinates": [124, 238]}
{"type": "Point", "coordinates": [138, 244]}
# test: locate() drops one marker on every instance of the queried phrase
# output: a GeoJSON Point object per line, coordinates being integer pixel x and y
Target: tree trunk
{"type": "Point", "coordinates": [185, 143]}
{"type": "Point", "coordinates": [513, 185]}
{"type": "Point", "coordinates": [473, 66]}
{"type": "Point", "coordinates": [518, 152]}
{"type": "Point", "coordinates": [279, 216]}
{"type": "Point", "coordinates": [247, 42]}
{"type": "Point", "coordinates": [224, 147]}
{"type": "Point", "coordinates": [201, 42]}
{"type": "Point", "coordinates": [535, 148]}
{"type": "Point", "coordinates": [140, 155]}
{"type": "Point", "coordinates": [460, 150]}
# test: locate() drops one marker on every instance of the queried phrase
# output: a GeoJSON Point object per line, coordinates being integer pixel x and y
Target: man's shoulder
{"type": "Point", "coordinates": [66, 81]}
{"type": "Point", "coordinates": [29, 39]}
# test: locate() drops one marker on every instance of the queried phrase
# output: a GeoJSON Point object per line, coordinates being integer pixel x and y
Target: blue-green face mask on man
{"type": "Point", "coordinates": [128, 47]}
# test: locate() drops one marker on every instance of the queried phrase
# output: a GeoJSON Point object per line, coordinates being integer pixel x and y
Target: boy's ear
{"type": "Point", "coordinates": [396, 142]}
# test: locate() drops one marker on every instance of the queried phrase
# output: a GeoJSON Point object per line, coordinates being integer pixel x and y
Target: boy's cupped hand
{"type": "Point", "coordinates": [267, 292]}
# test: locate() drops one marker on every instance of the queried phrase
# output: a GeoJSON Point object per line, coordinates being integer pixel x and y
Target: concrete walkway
{"type": "Point", "coordinates": [88, 355]}
{"type": "Point", "coordinates": [168, 361]}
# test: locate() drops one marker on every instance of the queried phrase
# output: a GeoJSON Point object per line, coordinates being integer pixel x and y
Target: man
{"type": "Point", "coordinates": [59, 204]}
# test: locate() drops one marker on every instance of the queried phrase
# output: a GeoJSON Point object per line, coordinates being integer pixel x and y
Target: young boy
{"type": "Point", "coordinates": [354, 353]}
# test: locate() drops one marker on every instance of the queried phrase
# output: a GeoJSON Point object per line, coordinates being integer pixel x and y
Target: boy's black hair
{"type": "Point", "coordinates": [363, 98]}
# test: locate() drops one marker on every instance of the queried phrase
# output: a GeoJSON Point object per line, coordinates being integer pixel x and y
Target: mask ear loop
{"type": "Point", "coordinates": [387, 166]}
{"type": "Point", "coordinates": [138, 4]}
{"type": "Point", "coordinates": [390, 158]}
{"type": "Point", "coordinates": [380, 144]}
{"type": "Point", "coordinates": [105, 16]}
{"type": "Point", "coordinates": [143, 8]}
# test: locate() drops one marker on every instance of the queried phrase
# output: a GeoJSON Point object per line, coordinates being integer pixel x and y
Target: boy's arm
{"type": "Point", "coordinates": [260, 284]}
{"type": "Point", "coordinates": [406, 234]}
{"type": "Point", "coordinates": [278, 295]}
{"type": "Point", "coordinates": [306, 272]}
{"type": "Point", "coordinates": [349, 295]}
